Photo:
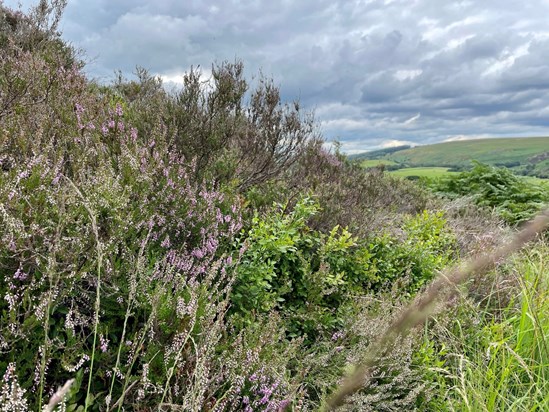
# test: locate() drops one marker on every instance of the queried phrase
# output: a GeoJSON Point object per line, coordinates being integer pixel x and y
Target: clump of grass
{"type": "Point", "coordinates": [503, 363]}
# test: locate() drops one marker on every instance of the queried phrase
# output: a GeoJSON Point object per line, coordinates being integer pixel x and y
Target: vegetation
{"type": "Point", "coordinates": [514, 199]}
{"type": "Point", "coordinates": [427, 172]}
{"type": "Point", "coordinates": [201, 251]}
{"type": "Point", "coordinates": [377, 162]}
{"type": "Point", "coordinates": [524, 156]}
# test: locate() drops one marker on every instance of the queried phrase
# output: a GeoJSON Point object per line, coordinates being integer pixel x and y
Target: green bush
{"type": "Point", "coordinates": [309, 277]}
{"type": "Point", "coordinates": [513, 198]}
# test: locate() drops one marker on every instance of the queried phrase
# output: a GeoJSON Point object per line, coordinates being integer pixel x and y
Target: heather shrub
{"type": "Point", "coordinates": [121, 234]}
{"type": "Point", "coordinates": [112, 256]}
{"type": "Point", "coordinates": [210, 122]}
{"type": "Point", "coordinates": [365, 202]}
{"type": "Point", "coordinates": [477, 229]}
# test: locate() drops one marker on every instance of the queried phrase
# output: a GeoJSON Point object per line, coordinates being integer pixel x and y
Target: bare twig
{"type": "Point", "coordinates": [423, 306]}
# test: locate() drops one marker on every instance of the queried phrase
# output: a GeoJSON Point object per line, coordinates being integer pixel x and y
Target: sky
{"type": "Point", "coordinates": [376, 73]}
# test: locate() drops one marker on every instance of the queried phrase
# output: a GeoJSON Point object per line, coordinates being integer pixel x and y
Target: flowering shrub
{"type": "Point", "coordinates": [140, 256]}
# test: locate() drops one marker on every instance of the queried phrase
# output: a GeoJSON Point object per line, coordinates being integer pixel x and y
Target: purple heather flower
{"type": "Point", "coordinates": [104, 343]}
{"type": "Point", "coordinates": [197, 253]}
{"type": "Point", "coordinates": [337, 335]}
{"type": "Point", "coordinates": [19, 275]}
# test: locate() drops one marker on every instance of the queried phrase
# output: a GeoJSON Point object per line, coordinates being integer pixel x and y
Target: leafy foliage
{"type": "Point", "coordinates": [514, 199]}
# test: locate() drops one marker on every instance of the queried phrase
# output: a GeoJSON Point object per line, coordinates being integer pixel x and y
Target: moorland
{"type": "Point", "coordinates": [201, 250]}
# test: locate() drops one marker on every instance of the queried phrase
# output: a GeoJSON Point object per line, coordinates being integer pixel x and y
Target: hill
{"type": "Point", "coordinates": [527, 156]}
{"type": "Point", "coordinates": [376, 154]}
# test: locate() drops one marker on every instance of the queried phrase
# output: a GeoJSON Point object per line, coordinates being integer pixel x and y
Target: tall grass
{"type": "Point", "coordinates": [504, 366]}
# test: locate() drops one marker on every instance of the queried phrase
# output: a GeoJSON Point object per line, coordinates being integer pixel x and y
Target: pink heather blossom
{"type": "Point", "coordinates": [104, 343]}
{"type": "Point", "coordinates": [197, 253]}
{"type": "Point", "coordinates": [19, 275]}
{"type": "Point", "coordinates": [12, 395]}
{"type": "Point", "coordinates": [166, 242]}
{"type": "Point", "coordinates": [337, 335]}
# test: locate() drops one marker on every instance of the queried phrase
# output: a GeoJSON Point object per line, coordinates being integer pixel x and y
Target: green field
{"type": "Point", "coordinates": [527, 155]}
{"type": "Point", "coordinates": [491, 151]}
{"type": "Point", "coordinates": [431, 172]}
{"type": "Point", "coordinates": [377, 162]}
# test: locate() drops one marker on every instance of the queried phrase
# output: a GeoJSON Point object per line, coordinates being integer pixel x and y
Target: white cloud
{"type": "Point", "coordinates": [407, 74]}
{"type": "Point", "coordinates": [509, 58]}
{"type": "Point", "coordinates": [395, 143]}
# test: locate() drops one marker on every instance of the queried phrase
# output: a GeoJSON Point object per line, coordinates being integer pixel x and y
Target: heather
{"type": "Point", "coordinates": [200, 249]}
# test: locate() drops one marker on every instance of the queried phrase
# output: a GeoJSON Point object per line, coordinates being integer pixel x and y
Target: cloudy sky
{"type": "Point", "coordinates": [377, 73]}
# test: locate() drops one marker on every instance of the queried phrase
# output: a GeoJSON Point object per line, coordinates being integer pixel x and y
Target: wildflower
{"type": "Point", "coordinates": [337, 335]}
{"type": "Point", "coordinates": [12, 395]}
{"type": "Point", "coordinates": [166, 242]}
{"type": "Point", "coordinates": [283, 404]}
{"type": "Point", "coordinates": [104, 343]}
{"type": "Point", "coordinates": [20, 275]}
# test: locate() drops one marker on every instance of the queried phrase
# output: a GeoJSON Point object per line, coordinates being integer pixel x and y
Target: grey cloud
{"type": "Point", "coordinates": [468, 67]}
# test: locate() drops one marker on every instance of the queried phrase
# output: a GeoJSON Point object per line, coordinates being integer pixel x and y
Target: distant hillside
{"type": "Point", "coordinates": [528, 156]}
{"type": "Point", "coordinates": [377, 154]}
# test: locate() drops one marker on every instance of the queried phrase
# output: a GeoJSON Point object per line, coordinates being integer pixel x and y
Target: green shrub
{"type": "Point", "coordinates": [428, 246]}
{"type": "Point", "coordinates": [310, 277]}
{"type": "Point", "coordinates": [513, 198]}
